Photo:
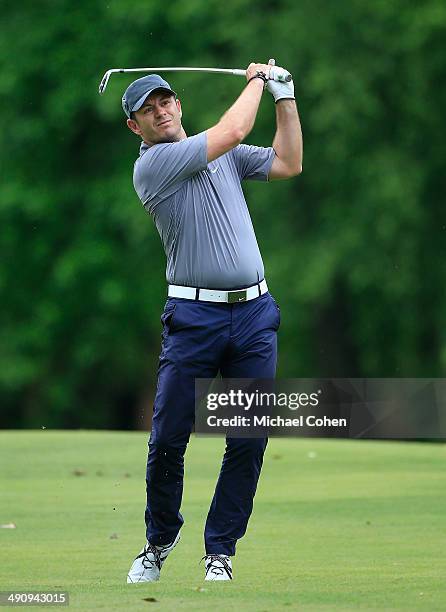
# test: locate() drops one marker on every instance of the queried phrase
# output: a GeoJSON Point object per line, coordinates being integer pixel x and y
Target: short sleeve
{"type": "Point", "coordinates": [253, 162]}
{"type": "Point", "coordinates": [161, 169]}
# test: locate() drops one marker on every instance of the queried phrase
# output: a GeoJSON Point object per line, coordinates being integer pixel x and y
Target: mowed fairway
{"type": "Point", "coordinates": [337, 525]}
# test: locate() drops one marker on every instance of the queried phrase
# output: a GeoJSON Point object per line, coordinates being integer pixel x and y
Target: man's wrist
{"type": "Point", "coordinates": [261, 76]}
{"type": "Point", "coordinates": [285, 100]}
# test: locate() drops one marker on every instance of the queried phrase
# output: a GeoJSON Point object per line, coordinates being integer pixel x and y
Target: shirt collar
{"type": "Point", "coordinates": [143, 148]}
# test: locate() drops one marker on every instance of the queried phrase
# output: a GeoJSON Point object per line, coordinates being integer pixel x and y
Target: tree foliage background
{"type": "Point", "coordinates": [354, 248]}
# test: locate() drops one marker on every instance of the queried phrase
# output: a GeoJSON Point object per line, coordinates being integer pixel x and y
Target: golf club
{"type": "Point", "coordinates": [286, 76]}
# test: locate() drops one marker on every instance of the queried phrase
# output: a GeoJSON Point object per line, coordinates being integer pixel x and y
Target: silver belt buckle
{"type": "Point", "coordinates": [237, 296]}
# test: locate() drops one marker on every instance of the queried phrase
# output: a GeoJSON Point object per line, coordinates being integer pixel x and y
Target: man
{"type": "Point", "coordinates": [219, 315]}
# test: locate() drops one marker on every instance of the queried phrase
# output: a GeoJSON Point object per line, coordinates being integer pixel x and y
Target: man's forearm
{"type": "Point", "coordinates": [242, 114]}
{"type": "Point", "coordinates": [239, 119]}
{"type": "Point", "coordinates": [287, 141]}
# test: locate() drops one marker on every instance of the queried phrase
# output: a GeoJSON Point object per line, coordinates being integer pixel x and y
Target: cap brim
{"type": "Point", "coordinates": [143, 98]}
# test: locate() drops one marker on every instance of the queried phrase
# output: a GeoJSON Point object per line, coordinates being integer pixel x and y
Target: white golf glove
{"type": "Point", "coordinates": [278, 87]}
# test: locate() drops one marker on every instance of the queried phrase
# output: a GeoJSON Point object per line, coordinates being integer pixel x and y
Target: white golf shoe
{"type": "Point", "coordinates": [218, 567]}
{"type": "Point", "coordinates": [147, 565]}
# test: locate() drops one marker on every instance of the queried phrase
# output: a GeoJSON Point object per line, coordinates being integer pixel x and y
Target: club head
{"type": "Point", "coordinates": [104, 81]}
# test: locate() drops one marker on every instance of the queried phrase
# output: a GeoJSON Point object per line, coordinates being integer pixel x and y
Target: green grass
{"type": "Point", "coordinates": [337, 525]}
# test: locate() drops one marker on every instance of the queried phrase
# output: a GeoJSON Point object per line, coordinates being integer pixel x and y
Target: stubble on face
{"type": "Point", "coordinates": [159, 119]}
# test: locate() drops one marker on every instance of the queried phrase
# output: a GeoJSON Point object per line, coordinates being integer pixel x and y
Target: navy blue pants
{"type": "Point", "coordinates": [199, 340]}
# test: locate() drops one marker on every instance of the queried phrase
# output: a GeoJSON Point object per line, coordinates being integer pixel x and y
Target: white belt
{"type": "Point", "coordinates": [218, 295]}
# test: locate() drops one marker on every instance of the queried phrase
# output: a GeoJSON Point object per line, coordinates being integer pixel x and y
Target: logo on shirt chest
{"type": "Point", "coordinates": [212, 169]}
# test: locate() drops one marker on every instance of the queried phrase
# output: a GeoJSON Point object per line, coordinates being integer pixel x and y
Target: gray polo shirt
{"type": "Point", "coordinates": [200, 211]}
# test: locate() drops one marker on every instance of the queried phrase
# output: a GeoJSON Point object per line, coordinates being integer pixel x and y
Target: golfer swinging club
{"type": "Point", "coordinates": [219, 316]}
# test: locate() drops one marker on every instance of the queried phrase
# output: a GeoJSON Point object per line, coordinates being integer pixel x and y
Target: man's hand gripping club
{"type": "Point", "coordinates": [277, 84]}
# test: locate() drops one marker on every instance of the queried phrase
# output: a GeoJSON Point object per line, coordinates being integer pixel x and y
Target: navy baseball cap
{"type": "Point", "coordinates": [136, 93]}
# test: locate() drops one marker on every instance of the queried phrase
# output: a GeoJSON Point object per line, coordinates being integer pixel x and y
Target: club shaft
{"type": "Point", "coordinates": [182, 69]}
{"type": "Point", "coordinates": [234, 71]}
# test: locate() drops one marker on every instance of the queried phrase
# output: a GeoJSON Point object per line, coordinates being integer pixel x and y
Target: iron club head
{"type": "Point", "coordinates": [104, 81]}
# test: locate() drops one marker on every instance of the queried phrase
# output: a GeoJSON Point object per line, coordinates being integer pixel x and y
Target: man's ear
{"type": "Point", "coordinates": [178, 103]}
{"type": "Point", "coordinates": [132, 125]}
